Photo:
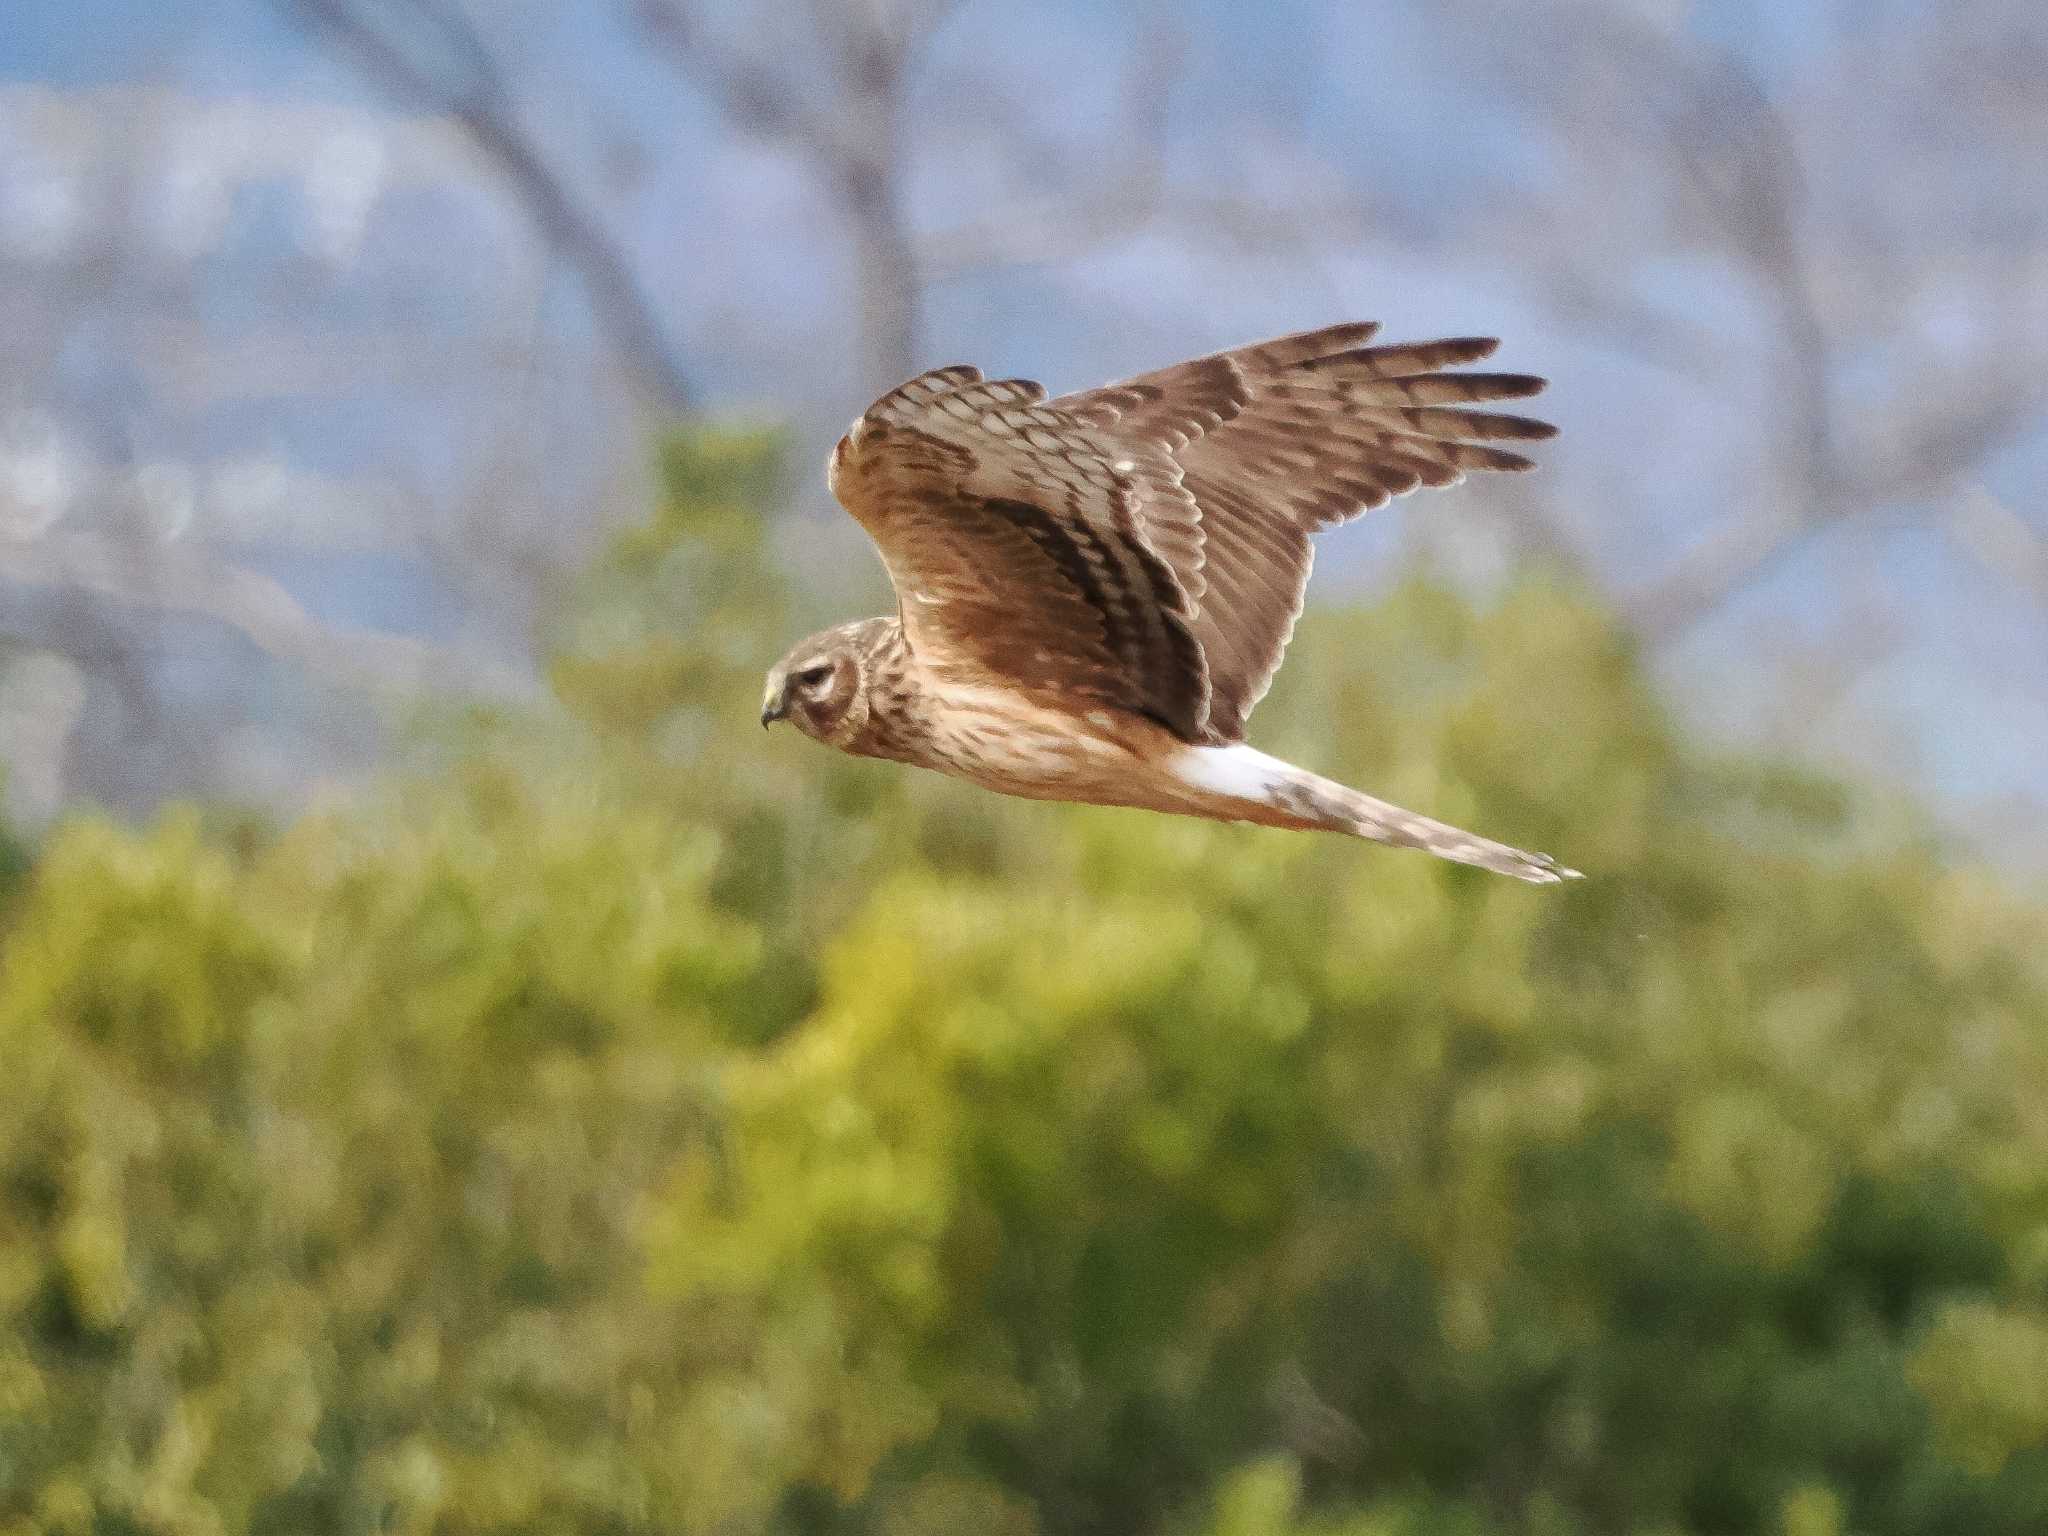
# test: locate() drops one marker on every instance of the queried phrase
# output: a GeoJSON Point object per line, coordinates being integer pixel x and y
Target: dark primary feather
{"type": "Point", "coordinates": [1281, 439]}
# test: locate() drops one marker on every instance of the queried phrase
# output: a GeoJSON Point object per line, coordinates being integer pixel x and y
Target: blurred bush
{"type": "Point", "coordinates": [638, 1123]}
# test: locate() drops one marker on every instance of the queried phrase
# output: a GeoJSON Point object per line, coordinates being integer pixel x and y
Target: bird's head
{"type": "Point", "coordinates": [820, 687]}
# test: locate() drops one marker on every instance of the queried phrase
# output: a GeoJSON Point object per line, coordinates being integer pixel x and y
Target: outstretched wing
{"type": "Point", "coordinates": [1271, 443]}
{"type": "Point", "coordinates": [1013, 535]}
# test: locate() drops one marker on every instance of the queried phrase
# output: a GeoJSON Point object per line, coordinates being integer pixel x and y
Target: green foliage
{"type": "Point", "coordinates": [640, 1122]}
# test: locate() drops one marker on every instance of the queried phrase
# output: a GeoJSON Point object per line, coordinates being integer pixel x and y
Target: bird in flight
{"type": "Point", "coordinates": [1094, 591]}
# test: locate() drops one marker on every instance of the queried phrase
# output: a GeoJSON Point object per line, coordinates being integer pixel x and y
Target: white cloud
{"type": "Point", "coordinates": [42, 209]}
{"type": "Point", "coordinates": [343, 181]}
{"type": "Point", "coordinates": [39, 474]}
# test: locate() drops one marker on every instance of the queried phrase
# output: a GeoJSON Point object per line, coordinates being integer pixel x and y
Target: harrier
{"type": "Point", "coordinates": [1093, 591]}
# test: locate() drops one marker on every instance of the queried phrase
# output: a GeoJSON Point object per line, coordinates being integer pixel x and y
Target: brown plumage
{"type": "Point", "coordinates": [1095, 591]}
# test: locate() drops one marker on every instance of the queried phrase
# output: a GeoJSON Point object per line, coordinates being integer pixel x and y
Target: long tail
{"type": "Point", "coordinates": [1241, 783]}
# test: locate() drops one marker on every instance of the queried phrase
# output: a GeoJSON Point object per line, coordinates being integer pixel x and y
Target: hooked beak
{"type": "Point", "coordinates": [774, 709]}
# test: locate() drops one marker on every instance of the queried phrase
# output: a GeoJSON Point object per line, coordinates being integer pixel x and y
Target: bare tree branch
{"type": "Point", "coordinates": [483, 103]}
{"type": "Point", "coordinates": [1733, 559]}
{"type": "Point", "coordinates": [183, 581]}
{"type": "Point", "coordinates": [753, 97]}
{"type": "Point", "coordinates": [852, 140]}
{"type": "Point", "coordinates": [1934, 444]}
{"type": "Point", "coordinates": [1068, 222]}
{"type": "Point", "coordinates": [1735, 159]}
{"type": "Point", "coordinates": [2003, 541]}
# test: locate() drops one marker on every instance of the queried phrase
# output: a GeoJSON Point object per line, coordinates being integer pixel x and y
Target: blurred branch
{"type": "Point", "coordinates": [106, 644]}
{"type": "Point", "coordinates": [1623, 321]}
{"type": "Point", "coordinates": [1818, 680]}
{"type": "Point", "coordinates": [479, 97]}
{"type": "Point", "coordinates": [1734, 558]}
{"type": "Point", "coordinates": [851, 136]}
{"type": "Point", "coordinates": [1066, 223]}
{"type": "Point", "coordinates": [753, 97]}
{"type": "Point", "coordinates": [184, 581]}
{"type": "Point", "coordinates": [1733, 154]}
{"type": "Point", "coordinates": [1941, 436]}
{"type": "Point", "coordinates": [2005, 543]}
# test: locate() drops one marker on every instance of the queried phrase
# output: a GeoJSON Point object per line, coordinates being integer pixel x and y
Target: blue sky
{"type": "Point", "coordinates": [1382, 95]}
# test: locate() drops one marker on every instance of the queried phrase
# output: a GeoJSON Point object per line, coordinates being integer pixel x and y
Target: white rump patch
{"type": "Point", "coordinates": [1239, 771]}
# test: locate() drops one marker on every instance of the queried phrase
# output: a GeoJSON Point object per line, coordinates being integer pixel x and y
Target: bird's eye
{"type": "Point", "coordinates": [810, 677]}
